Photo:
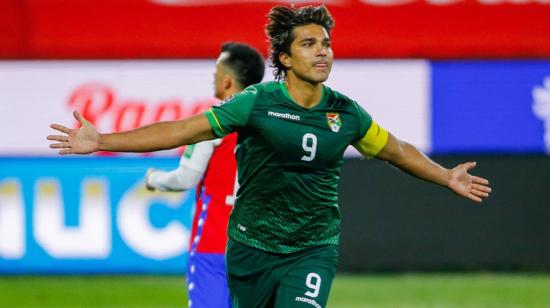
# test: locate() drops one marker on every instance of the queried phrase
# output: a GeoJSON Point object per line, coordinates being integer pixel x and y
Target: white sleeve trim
{"type": "Point", "coordinates": [179, 179]}
{"type": "Point", "coordinates": [201, 155]}
{"type": "Point", "coordinates": [190, 171]}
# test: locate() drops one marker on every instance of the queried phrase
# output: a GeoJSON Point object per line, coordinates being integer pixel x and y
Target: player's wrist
{"type": "Point", "coordinates": [447, 178]}
{"type": "Point", "coordinates": [110, 142]}
{"type": "Point", "coordinates": [101, 143]}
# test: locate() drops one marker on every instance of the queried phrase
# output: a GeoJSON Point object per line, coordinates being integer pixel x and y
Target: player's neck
{"type": "Point", "coordinates": [304, 93]}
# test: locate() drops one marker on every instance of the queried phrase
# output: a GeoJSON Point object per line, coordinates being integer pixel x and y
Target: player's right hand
{"type": "Point", "coordinates": [83, 140]}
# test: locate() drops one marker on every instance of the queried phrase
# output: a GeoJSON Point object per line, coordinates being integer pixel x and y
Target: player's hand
{"type": "Point", "coordinates": [147, 183]}
{"type": "Point", "coordinates": [466, 185]}
{"type": "Point", "coordinates": [83, 140]}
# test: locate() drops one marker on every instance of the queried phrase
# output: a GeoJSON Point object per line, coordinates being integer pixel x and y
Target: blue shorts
{"type": "Point", "coordinates": [206, 281]}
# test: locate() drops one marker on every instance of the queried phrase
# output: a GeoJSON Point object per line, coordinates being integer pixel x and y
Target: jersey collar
{"type": "Point", "coordinates": [285, 92]}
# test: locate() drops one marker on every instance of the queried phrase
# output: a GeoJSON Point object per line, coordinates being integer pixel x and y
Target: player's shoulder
{"type": "Point", "coordinates": [248, 94]}
{"type": "Point", "coordinates": [264, 89]}
{"type": "Point", "coordinates": [252, 92]}
{"type": "Point", "coordinates": [339, 100]}
{"type": "Point", "coordinates": [267, 86]}
{"type": "Point", "coordinates": [264, 93]}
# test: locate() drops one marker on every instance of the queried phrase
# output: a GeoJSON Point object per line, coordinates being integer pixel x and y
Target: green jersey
{"type": "Point", "coordinates": [289, 160]}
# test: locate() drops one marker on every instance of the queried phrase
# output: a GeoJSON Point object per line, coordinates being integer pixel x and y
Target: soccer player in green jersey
{"type": "Point", "coordinates": [284, 228]}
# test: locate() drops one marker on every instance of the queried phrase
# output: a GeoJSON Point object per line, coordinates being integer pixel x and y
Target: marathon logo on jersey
{"type": "Point", "coordinates": [307, 300]}
{"type": "Point", "coordinates": [334, 121]}
{"type": "Point", "coordinates": [284, 115]}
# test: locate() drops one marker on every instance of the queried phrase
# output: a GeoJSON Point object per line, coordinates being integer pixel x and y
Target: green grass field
{"type": "Point", "coordinates": [408, 290]}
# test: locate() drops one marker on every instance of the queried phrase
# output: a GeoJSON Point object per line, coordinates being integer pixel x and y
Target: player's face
{"type": "Point", "coordinates": [310, 53]}
{"type": "Point", "coordinates": [219, 76]}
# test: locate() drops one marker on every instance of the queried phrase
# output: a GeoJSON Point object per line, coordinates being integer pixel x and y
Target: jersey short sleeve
{"type": "Point", "coordinates": [373, 137]}
{"type": "Point", "coordinates": [232, 114]}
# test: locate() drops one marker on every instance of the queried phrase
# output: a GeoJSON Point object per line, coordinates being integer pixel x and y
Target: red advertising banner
{"type": "Point", "coordinates": [117, 29]}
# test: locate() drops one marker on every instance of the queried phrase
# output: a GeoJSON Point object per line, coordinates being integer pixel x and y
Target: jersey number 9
{"type": "Point", "coordinates": [309, 144]}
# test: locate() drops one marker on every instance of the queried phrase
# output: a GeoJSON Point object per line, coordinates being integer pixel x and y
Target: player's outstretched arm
{"type": "Point", "coordinates": [409, 159]}
{"type": "Point", "coordinates": [154, 137]}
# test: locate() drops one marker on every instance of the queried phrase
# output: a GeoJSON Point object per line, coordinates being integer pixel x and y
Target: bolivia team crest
{"type": "Point", "coordinates": [334, 121]}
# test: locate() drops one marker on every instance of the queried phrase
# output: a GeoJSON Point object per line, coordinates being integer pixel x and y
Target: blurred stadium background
{"type": "Point", "coordinates": [463, 80]}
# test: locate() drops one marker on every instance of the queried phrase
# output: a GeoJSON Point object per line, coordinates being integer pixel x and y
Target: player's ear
{"type": "Point", "coordinates": [227, 81]}
{"type": "Point", "coordinates": [285, 59]}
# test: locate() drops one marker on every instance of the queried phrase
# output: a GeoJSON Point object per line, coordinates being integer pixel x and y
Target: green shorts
{"type": "Point", "coordinates": [261, 279]}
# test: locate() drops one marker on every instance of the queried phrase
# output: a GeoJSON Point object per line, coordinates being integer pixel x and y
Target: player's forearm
{"type": "Point", "coordinates": [415, 163]}
{"type": "Point", "coordinates": [158, 136]}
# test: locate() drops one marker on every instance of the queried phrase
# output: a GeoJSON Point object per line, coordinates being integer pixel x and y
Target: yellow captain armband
{"type": "Point", "coordinates": [375, 139]}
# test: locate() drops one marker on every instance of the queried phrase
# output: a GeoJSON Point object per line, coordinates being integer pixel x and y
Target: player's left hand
{"type": "Point", "coordinates": [466, 185]}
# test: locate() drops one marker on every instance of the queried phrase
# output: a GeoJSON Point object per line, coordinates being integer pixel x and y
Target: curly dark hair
{"type": "Point", "coordinates": [282, 20]}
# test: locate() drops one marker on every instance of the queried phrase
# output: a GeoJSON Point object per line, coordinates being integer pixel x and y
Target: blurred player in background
{"type": "Point", "coordinates": [284, 229]}
{"type": "Point", "coordinates": [212, 168]}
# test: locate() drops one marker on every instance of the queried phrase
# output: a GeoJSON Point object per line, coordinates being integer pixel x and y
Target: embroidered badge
{"type": "Point", "coordinates": [334, 121]}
